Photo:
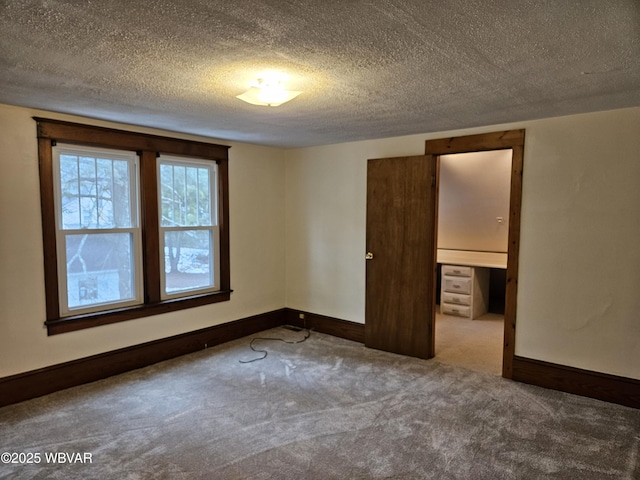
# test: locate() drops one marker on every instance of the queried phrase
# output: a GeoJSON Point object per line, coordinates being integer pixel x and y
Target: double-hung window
{"type": "Point", "coordinates": [189, 234]}
{"type": "Point", "coordinates": [97, 229]}
{"type": "Point", "coordinates": [133, 224]}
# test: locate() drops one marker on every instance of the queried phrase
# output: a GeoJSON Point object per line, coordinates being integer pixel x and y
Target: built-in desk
{"type": "Point", "coordinates": [486, 278]}
{"type": "Point", "coordinates": [472, 259]}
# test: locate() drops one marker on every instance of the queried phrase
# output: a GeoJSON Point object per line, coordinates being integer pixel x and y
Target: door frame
{"type": "Point", "coordinates": [514, 140]}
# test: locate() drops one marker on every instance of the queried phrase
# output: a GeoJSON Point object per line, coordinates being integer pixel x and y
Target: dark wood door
{"type": "Point", "coordinates": [401, 239]}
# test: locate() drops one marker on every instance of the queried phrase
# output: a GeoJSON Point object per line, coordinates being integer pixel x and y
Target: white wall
{"type": "Point", "coordinates": [579, 291]}
{"type": "Point", "coordinates": [579, 283]}
{"type": "Point", "coordinates": [256, 178]}
{"type": "Point", "coordinates": [473, 201]}
{"type": "Point", "coordinates": [325, 224]}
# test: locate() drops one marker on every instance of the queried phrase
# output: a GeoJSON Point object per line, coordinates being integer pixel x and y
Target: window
{"type": "Point", "coordinates": [188, 227]}
{"type": "Point", "coordinates": [133, 224]}
{"type": "Point", "coordinates": [97, 229]}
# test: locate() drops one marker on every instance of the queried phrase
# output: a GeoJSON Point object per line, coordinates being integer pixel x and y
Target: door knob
{"type": "Point", "coordinates": [368, 256]}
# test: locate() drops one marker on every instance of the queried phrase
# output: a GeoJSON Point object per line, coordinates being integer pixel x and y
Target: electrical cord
{"type": "Point", "coordinates": [265, 353]}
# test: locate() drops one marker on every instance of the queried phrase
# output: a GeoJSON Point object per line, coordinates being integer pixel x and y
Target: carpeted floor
{"type": "Point", "coordinates": [474, 344]}
{"type": "Point", "coordinates": [327, 408]}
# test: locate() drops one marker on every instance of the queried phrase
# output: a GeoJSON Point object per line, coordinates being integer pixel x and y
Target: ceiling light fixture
{"type": "Point", "coordinates": [269, 92]}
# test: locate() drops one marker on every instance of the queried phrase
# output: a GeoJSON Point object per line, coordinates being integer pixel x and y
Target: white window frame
{"type": "Point", "coordinates": [134, 230]}
{"type": "Point", "coordinates": [213, 228]}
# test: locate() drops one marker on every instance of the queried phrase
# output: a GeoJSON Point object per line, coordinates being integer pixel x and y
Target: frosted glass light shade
{"type": "Point", "coordinates": [270, 94]}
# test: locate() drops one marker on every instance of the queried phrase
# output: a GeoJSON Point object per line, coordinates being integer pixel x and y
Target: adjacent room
{"type": "Point", "coordinates": [473, 226]}
{"type": "Point", "coordinates": [320, 240]}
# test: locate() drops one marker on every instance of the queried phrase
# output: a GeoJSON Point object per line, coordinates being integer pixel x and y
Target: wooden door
{"type": "Point", "coordinates": [401, 239]}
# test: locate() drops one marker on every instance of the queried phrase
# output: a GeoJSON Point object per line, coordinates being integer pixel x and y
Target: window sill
{"type": "Point", "coordinates": [56, 326]}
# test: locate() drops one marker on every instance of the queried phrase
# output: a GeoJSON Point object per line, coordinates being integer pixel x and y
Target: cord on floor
{"type": "Point", "coordinates": [265, 353]}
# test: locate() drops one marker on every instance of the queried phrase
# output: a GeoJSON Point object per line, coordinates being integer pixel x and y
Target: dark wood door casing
{"type": "Point", "coordinates": [513, 139]}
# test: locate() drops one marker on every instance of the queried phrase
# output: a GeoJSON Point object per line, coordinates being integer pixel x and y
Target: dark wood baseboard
{"type": "Point", "coordinates": [323, 324]}
{"type": "Point", "coordinates": [36, 383]}
{"type": "Point", "coordinates": [610, 388]}
{"type": "Point", "coordinates": [23, 386]}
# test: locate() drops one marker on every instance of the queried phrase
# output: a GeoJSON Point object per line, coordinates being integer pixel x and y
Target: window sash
{"type": "Point", "coordinates": [103, 279]}
{"type": "Point", "coordinates": [132, 162]}
{"type": "Point", "coordinates": [213, 263]}
{"type": "Point", "coordinates": [212, 183]}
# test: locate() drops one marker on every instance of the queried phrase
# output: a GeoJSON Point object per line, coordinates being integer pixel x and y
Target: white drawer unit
{"type": "Point", "coordinates": [465, 291]}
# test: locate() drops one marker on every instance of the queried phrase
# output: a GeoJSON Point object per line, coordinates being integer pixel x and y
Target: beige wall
{"type": "Point", "coordinates": [579, 284]}
{"type": "Point", "coordinates": [298, 240]}
{"type": "Point", "coordinates": [256, 177]}
{"type": "Point", "coordinates": [473, 192]}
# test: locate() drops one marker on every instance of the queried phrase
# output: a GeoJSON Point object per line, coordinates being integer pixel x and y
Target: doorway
{"type": "Point", "coordinates": [513, 140]}
{"type": "Point", "coordinates": [473, 222]}
{"type": "Point", "coordinates": [401, 268]}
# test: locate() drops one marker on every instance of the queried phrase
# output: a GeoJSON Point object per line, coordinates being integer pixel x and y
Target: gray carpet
{"type": "Point", "coordinates": [473, 344]}
{"type": "Point", "coordinates": [323, 409]}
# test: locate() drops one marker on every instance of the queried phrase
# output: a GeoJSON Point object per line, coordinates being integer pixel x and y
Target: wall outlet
{"type": "Point", "coordinates": [301, 316]}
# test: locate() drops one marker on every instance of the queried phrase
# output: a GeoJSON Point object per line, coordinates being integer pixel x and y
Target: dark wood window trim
{"type": "Point", "coordinates": [147, 146]}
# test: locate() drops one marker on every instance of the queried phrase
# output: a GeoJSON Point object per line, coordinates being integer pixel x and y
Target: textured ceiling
{"type": "Point", "coordinates": [368, 68]}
